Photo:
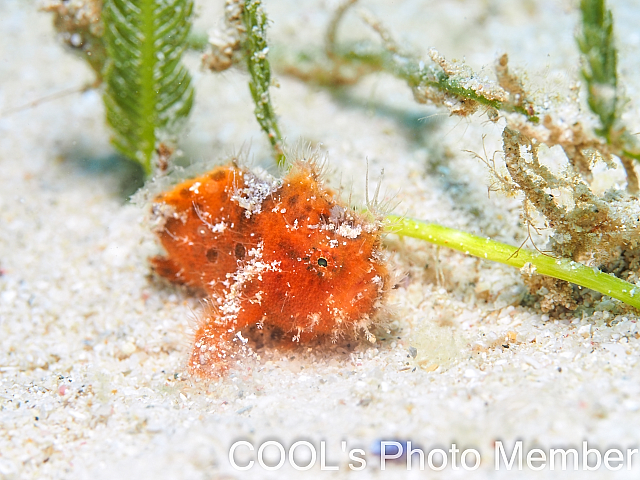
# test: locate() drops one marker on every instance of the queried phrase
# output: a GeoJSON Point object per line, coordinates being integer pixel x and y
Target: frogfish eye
{"type": "Point", "coordinates": [322, 262]}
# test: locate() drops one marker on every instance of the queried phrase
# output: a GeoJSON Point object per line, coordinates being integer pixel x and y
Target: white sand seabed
{"type": "Point", "coordinates": [93, 348]}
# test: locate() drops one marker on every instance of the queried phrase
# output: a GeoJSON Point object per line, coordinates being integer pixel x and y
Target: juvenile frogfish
{"type": "Point", "coordinates": [283, 253]}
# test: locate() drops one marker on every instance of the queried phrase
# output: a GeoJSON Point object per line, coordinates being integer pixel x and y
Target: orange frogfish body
{"type": "Point", "coordinates": [283, 253]}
